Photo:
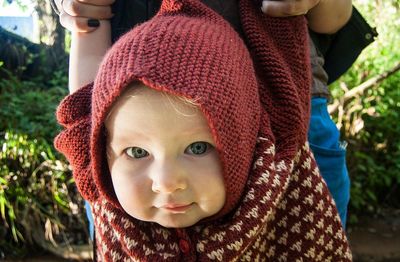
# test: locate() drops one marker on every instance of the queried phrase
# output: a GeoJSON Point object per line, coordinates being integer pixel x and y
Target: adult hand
{"type": "Point", "coordinates": [283, 8]}
{"type": "Point", "coordinates": [83, 15]}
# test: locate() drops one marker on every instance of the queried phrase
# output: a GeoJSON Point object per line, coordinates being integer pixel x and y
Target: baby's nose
{"type": "Point", "coordinates": [168, 177]}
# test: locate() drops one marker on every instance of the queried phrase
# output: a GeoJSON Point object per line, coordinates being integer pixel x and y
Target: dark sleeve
{"type": "Point", "coordinates": [341, 49]}
{"type": "Point", "coordinates": [128, 13]}
{"type": "Point", "coordinates": [228, 9]}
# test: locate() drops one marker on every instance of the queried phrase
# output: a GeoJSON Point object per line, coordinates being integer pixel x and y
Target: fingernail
{"type": "Point", "coordinates": [263, 8]}
{"type": "Point", "coordinates": [93, 23]}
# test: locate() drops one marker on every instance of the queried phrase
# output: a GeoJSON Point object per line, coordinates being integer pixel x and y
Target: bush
{"type": "Point", "coordinates": [370, 120]}
{"type": "Point", "coordinates": [38, 201]}
{"type": "Point", "coordinates": [28, 107]}
{"type": "Point", "coordinates": [39, 204]}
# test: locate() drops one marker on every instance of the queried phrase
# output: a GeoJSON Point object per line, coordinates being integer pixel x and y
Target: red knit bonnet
{"type": "Point", "coordinates": [186, 50]}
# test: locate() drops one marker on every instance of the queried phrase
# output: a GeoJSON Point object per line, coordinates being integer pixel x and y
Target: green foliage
{"type": "Point", "coordinates": [370, 121]}
{"type": "Point", "coordinates": [16, 52]}
{"type": "Point", "coordinates": [21, 162]}
{"type": "Point", "coordinates": [36, 194]}
{"type": "Point", "coordinates": [39, 204]}
{"type": "Point", "coordinates": [28, 107]}
{"type": "Point", "coordinates": [23, 5]}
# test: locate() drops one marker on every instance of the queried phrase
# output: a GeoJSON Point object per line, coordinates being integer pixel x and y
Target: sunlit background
{"type": "Point", "coordinates": [20, 19]}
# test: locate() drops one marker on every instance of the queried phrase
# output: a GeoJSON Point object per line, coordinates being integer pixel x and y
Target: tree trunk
{"type": "Point", "coordinates": [51, 32]}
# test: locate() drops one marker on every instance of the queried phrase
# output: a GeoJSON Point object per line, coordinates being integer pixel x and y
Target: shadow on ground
{"type": "Point", "coordinates": [373, 239]}
{"type": "Point", "coordinates": [376, 238]}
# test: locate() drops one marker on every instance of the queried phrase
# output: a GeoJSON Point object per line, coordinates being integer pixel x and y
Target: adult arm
{"type": "Point", "coordinates": [90, 37]}
{"type": "Point", "coordinates": [87, 51]}
{"type": "Point", "coordinates": [329, 16]}
{"type": "Point", "coordinates": [324, 16]}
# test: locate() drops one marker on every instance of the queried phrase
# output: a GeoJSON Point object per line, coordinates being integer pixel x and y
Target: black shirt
{"type": "Point", "coordinates": [128, 13]}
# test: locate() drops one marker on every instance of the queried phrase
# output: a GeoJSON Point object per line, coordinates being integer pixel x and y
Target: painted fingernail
{"type": "Point", "coordinates": [263, 6]}
{"type": "Point", "coordinates": [93, 23]}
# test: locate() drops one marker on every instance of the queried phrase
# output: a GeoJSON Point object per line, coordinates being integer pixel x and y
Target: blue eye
{"type": "Point", "coordinates": [136, 152]}
{"type": "Point", "coordinates": [197, 148]}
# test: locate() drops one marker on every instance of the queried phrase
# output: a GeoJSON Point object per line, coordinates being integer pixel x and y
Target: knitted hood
{"type": "Point", "coordinates": [277, 206]}
{"type": "Point", "coordinates": [186, 50]}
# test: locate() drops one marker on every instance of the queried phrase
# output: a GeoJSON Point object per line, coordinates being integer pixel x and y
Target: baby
{"type": "Point", "coordinates": [185, 155]}
{"type": "Point", "coordinates": [162, 159]}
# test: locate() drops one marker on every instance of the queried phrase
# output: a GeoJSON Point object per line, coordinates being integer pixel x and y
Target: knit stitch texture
{"type": "Point", "coordinates": [257, 105]}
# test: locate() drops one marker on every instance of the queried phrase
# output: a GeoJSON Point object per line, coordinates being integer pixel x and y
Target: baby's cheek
{"type": "Point", "coordinates": [134, 197]}
{"type": "Point", "coordinates": [210, 185]}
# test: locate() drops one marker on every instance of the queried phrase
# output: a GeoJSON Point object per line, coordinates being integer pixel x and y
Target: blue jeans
{"type": "Point", "coordinates": [90, 219]}
{"type": "Point", "coordinates": [330, 154]}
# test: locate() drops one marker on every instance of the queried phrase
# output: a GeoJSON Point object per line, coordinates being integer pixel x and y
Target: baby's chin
{"type": "Point", "coordinates": [175, 221]}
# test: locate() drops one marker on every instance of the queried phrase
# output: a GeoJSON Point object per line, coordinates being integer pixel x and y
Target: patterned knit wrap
{"type": "Point", "coordinates": [278, 208]}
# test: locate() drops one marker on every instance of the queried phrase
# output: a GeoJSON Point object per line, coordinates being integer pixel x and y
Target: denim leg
{"type": "Point", "coordinates": [330, 155]}
{"type": "Point", "coordinates": [90, 219]}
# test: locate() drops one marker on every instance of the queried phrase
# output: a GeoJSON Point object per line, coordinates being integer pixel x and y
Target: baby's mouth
{"type": "Point", "coordinates": [176, 208]}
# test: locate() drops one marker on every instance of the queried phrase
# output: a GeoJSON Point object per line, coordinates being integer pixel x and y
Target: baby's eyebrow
{"type": "Point", "coordinates": [129, 136]}
{"type": "Point", "coordinates": [197, 129]}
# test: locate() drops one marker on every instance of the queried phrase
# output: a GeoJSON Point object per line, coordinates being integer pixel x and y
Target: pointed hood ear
{"type": "Point", "coordinates": [190, 8]}
{"type": "Point", "coordinates": [74, 113]}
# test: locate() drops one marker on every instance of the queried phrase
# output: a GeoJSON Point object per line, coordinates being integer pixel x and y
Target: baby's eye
{"type": "Point", "coordinates": [197, 148]}
{"type": "Point", "coordinates": [136, 152]}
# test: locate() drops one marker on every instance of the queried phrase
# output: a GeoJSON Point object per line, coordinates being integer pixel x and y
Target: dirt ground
{"type": "Point", "coordinates": [374, 239]}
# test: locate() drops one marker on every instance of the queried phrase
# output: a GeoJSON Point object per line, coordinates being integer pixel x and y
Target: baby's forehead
{"type": "Point", "coordinates": [139, 100]}
{"type": "Point", "coordinates": [136, 89]}
{"type": "Point", "coordinates": [140, 93]}
{"type": "Point", "coordinates": [145, 112]}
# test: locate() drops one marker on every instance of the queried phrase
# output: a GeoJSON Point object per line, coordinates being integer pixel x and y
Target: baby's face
{"type": "Point", "coordinates": [162, 159]}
